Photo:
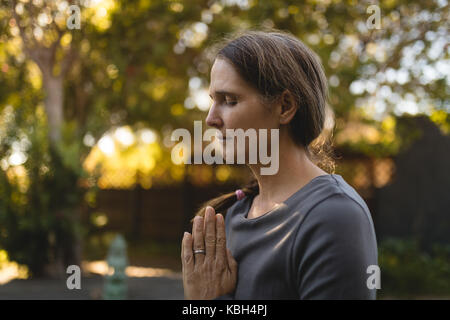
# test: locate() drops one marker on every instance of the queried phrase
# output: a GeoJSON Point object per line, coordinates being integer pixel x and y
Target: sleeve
{"type": "Point", "coordinates": [333, 249]}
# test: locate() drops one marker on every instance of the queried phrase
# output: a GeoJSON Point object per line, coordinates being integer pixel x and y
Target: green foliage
{"type": "Point", "coordinates": [39, 207]}
{"type": "Point", "coordinates": [407, 271]}
{"type": "Point", "coordinates": [129, 72]}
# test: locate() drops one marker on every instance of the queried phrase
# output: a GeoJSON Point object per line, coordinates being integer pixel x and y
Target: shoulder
{"type": "Point", "coordinates": [341, 221]}
{"type": "Point", "coordinates": [341, 209]}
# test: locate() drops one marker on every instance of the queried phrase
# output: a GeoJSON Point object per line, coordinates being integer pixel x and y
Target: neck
{"type": "Point", "coordinates": [295, 171]}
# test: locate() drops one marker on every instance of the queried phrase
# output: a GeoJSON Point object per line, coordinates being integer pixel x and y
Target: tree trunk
{"type": "Point", "coordinates": [54, 98]}
{"type": "Point", "coordinates": [45, 58]}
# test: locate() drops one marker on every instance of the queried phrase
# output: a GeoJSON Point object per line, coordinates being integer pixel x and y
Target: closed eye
{"type": "Point", "coordinates": [227, 100]}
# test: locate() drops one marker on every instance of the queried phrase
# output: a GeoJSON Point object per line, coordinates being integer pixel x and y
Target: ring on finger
{"type": "Point", "coordinates": [202, 251]}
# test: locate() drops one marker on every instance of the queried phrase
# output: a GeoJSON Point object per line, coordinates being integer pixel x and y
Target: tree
{"type": "Point", "coordinates": [41, 32]}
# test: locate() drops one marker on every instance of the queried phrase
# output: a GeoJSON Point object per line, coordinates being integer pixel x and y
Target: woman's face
{"type": "Point", "coordinates": [236, 104]}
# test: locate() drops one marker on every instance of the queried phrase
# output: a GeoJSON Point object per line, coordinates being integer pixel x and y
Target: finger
{"type": "Point", "coordinates": [210, 233]}
{"type": "Point", "coordinates": [199, 240]}
{"type": "Point", "coordinates": [188, 256]}
{"type": "Point", "coordinates": [232, 263]}
{"type": "Point", "coordinates": [221, 245]}
{"type": "Point", "coordinates": [182, 255]}
{"type": "Point", "coordinates": [182, 251]}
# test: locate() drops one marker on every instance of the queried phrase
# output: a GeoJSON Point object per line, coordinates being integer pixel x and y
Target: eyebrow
{"type": "Point", "coordinates": [225, 93]}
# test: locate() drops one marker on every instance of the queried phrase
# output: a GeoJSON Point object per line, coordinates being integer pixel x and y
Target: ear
{"type": "Point", "coordinates": [288, 107]}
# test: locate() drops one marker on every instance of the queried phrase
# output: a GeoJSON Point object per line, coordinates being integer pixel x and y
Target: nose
{"type": "Point", "coordinates": [213, 119]}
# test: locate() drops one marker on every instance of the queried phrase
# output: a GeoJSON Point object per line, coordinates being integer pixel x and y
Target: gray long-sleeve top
{"type": "Point", "coordinates": [317, 244]}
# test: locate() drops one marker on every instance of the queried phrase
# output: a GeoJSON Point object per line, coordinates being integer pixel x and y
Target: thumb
{"type": "Point", "coordinates": [232, 264]}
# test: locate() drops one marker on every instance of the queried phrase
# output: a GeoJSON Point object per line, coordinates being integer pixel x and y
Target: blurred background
{"type": "Point", "coordinates": [90, 95]}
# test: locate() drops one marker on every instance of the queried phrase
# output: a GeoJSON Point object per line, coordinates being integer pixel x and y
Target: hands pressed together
{"type": "Point", "coordinates": [209, 270]}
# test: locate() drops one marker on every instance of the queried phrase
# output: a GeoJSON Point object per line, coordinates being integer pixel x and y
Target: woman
{"type": "Point", "coordinates": [301, 233]}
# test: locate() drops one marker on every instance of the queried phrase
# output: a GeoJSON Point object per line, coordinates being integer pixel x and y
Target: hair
{"type": "Point", "coordinates": [272, 61]}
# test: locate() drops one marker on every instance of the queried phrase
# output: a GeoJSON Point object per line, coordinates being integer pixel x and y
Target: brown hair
{"type": "Point", "coordinates": [272, 61]}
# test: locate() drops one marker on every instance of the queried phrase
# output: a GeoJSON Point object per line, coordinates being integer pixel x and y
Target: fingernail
{"type": "Point", "coordinates": [185, 234]}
